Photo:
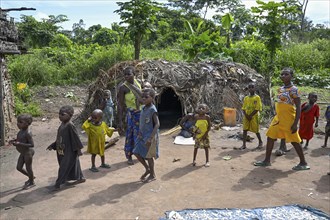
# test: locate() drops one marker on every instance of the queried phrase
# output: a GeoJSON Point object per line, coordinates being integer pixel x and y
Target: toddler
{"type": "Point", "coordinates": [24, 145]}
{"type": "Point", "coordinates": [96, 129]}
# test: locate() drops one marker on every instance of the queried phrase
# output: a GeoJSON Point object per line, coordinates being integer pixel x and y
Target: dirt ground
{"type": "Point", "coordinates": [117, 193]}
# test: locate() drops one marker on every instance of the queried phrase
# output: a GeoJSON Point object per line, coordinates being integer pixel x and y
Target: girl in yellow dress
{"type": "Point", "coordinates": [284, 124]}
{"type": "Point", "coordinates": [96, 129]}
{"type": "Point", "coordinates": [201, 132]}
{"type": "Point", "coordinates": [251, 108]}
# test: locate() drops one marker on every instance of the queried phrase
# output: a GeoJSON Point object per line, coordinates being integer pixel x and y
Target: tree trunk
{"type": "Point", "coordinates": [137, 46]}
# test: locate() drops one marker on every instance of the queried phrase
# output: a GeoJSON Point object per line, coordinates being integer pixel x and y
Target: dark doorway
{"type": "Point", "coordinates": [169, 109]}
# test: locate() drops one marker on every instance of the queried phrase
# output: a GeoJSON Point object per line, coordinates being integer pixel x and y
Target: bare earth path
{"type": "Point", "coordinates": [116, 193]}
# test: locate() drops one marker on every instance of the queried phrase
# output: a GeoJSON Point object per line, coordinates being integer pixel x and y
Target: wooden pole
{"type": "Point", "coordinates": [2, 119]}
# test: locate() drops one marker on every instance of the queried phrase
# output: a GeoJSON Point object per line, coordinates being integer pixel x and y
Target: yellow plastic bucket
{"type": "Point", "coordinates": [229, 116]}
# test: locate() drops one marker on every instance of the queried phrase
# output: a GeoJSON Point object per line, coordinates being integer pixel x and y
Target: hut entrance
{"type": "Point", "coordinates": [169, 108]}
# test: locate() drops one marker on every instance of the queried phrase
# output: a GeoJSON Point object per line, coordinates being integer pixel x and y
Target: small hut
{"type": "Point", "coordinates": [180, 86]}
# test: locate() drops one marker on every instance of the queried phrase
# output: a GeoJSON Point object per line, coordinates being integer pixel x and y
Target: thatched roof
{"type": "Point", "coordinates": [216, 83]}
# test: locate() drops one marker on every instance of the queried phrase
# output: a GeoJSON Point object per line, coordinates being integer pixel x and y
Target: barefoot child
{"type": "Point", "coordinates": [146, 147]}
{"type": "Point", "coordinates": [68, 149]}
{"type": "Point", "coordinates": [96, 129]}
{"type": "Point", "coordinates": [284, 124]}
{"type": "Point", "coordinates": [24, 145]}
{"type": "Point", "coordinates": [107, 108]}
{"type": "Point", "coordinates": [327, 127]}
{"type": "Point", "coordinates": [251, 108]}
{"type": "Point", "coordinates": [201, 132]}
{"type": "Point", "coordinates": [310, 113]}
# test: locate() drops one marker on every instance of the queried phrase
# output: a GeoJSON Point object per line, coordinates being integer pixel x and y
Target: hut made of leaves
{"type": "Point", "coordinates": [181, 86]}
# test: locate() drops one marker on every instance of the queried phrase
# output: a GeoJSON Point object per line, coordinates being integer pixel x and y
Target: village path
{"type": "Point", "coordinates": [116, 193]}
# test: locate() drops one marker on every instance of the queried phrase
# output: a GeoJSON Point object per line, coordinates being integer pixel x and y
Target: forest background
{"type": "Point", "coordinates": [267, 38]}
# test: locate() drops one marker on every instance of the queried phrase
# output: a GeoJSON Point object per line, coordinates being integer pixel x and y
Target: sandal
{"type": "Point", "coordinates": [107, 166]}
{"type": "Point", "coordinates": [301, 167]}
{"type": "Point", "coordinates": [261, 164]}
{"type": "Point", "coordinates": [94, 169]}
{"type": "Point", "coordinates": [207, 164]}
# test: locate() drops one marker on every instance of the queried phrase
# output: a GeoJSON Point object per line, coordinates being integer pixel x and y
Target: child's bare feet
{"type": "Point", "coordinates": [323, 146]}
{"type": "Point", "coordinates": [240, 148]}
{"type": "Point", "coordinates": [143, 177]}
{"type": "Point", "coordinates": [29, 184]}
{"type": "Point", "coordinates": [194, 163]}
{"type": "Point", "coordinates": [149, 179]}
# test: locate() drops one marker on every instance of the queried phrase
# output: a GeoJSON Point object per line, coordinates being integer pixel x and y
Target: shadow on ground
{"type": "Point", "coordinates": [260, 178]}
{"type": "Point", "coordinates": [111, 194]}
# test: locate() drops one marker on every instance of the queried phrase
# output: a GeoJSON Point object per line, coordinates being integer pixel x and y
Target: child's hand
{"type": "Point", "coordinates": [294, 128]}
{"type": "Point", "coordinates": [148, 143]}
{"type": "Point", "coordinates": [49, 148]}
{"type": "Point", "coordinates": [11, 142]}
{"type": "Point", "coordinates": [79, 153]}
{"type": "Point", "coordinates": [316, 125]}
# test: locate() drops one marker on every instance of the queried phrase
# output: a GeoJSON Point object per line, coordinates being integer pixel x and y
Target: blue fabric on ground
{"type": "Point", "coordinates": [295, 212]}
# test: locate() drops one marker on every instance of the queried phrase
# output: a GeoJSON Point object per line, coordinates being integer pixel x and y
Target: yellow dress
{"type": "Point", "coordinates": [201, 127]}
{"type": "Point", "coordinates": [280, 126]}
{"type": "Point", "coordinates": [250, 104]}
{"type": "Point", "coordinates": [96, 136]}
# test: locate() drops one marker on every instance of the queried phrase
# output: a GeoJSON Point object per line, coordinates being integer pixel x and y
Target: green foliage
{"type": "Point", "coordinates": [169, 54]}
{"type": "Point", "coordinates": [273, 22]}
{"type": "Point", "coordinates": [39, 34]}
{"type": "Point", "coordinates": [105, 36]}
{"type": "Point", "coordinates": [252, 53]}
{"type": "Point", "coordinates": [23, 100]}
{"type": "Point", "coordinates": [203, 45]}
{"type": "Point", "coordinates": [57, 65]}
{"type": "Point", "coordinates": [60, 40]}
{"type": "Point", "coordinates": [140, 16]}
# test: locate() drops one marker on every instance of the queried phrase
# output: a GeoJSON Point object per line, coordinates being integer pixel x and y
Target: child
{"type": "Point", "coordinates": [327, 128]}
{"type": "Point", "coordinates": [68, 149]}
{"type": "Point", "coordinates": [24, 145]}
{"type": "Point", "coordinates": [186, 124]}
{"type": "Point", "coordinates": [284, 124]}
{"type": "Point", "coordinates": [310, 113]}
{"type": "Point", "coordinates": [201, 132]}
{"type": "Point", "coordinates": [146, 147]}
{"type": "Point", "coordinates": [251, 107]}
{"type": "Point", "coordinates": [107, 108]}
{"type": "Point", "coordinates": [96, 129]}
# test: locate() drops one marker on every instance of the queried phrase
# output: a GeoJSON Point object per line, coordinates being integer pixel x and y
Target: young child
{"type": "Point", "coordinates": [68, 149]}
{"type": "Point", "coordinates": [186, 124]}
{"type": "Point", "coordinates": [24, 145]}
{"type": "Point", "coordinates": [327, 128]}
{"type": "Point", "coordinates": [107, 108]}
{"type": "Point", "coordinates": [96, 129]}
{"type": "Point", "coordinates": [284, 124]}
{"type": "Point", "coordinates": [201, 132]}
{"type": "Point", "coordinates": [251, 107]}
{"type": "Point", "coordinates": [310, 113]}
{"type": "Point", "coordinates": [146, 147]}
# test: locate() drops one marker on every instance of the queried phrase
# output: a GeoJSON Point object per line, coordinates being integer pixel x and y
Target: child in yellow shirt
{"type": "Point", "coordinates": [96, 129]}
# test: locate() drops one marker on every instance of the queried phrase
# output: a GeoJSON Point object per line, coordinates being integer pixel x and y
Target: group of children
{"type": "Point", "coordinates": [68, 146]}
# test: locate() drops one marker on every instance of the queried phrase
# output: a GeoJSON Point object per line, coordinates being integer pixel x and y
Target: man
{"type": "Point", "coordinates": [129, 97]}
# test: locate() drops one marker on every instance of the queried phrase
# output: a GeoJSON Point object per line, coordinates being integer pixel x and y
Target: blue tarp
{"type": "Point", "coordinates": [295, 212]}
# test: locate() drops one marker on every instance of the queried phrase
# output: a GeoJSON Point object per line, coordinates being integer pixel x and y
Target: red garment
{"type": "Point", "coordinates": [307, 119]}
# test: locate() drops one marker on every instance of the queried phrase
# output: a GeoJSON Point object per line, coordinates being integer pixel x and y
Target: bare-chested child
{"type": "Point", "coordinates": [24, 145]}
